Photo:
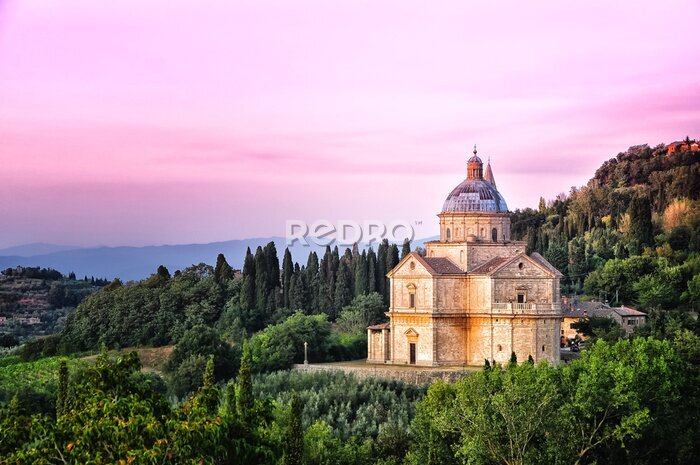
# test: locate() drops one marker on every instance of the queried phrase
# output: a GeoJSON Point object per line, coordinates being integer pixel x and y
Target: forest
{"type": "Point", "coordinates": [226, 395]}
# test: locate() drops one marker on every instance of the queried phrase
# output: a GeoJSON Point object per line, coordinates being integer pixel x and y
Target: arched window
{"type": "Point", "coordinates": [483, 234]}
{"type": "Point", "coordinates": [461, 256]}
{"type": "Point", "coordinates": [447, 234]}
{"type": "Point", "coordinates": [494, 235]}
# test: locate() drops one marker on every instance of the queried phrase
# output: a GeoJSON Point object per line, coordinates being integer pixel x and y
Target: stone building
{"type": "Point", "coordinates": [475, 295]}
{"type": "Point", "coordinates": [627, 317]}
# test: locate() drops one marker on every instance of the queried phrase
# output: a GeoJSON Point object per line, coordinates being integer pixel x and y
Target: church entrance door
{"type": "Point", "coordinates": [412, 353]}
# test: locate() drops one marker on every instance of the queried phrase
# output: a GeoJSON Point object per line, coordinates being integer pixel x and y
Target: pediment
{"type": "Point", "coordinates": [410, 332]}
{"type": "Point", "coordinates": [523, 266]}
{"type": "Point", "coordinates": [411, 265]}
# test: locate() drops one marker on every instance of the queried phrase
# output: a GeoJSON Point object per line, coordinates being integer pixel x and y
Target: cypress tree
{"type": "Point", "coordinates": [325, 295]}
{"type": "Point", "coordinates": [392, 259]}
{"type": "Point", "coordinates": [361, 274]}
{"type": "Point", "coordinates": [299, 295]}
{"type": "Point", "coordinates": [641, 229]}
{"type": "Point", "coordinates": [261, 286]}
{"type": "Point", "coordinates": [294, 444]}
{"type": "Point", "coordinates": [223, 271]}
{"type": "Point", "coordinates": [487, 364]}
{"type": "Point", "coordinates": [245, 401]}
{"type": "Point", "coordinates": [272, 266]}
{"type": "Point", "coordinates": [62, 395]}
{"type": "Point", "coordinates": [247, 298]}
{"type": "Point", "coordinates": [371, 271]}
{"type": "Point", "coordinates": [163, 273]}
{"type": "Point", "coordinates": [382, 252]}
{"type": "Point", "coordinates": [230, 399]}
{"type": "Point", "coordinates": [287, 271]}
{"type": "Point", "coordinates": [312, 281]}
{"type": "Point", "coordinates": [530, 360]}
{"type": "Point", "coordinates": [406, 249]}
{"type": "Point", "coordinates": [513, 358]}
{"type": "Point", "coordinates": [343, 291]}
{"type": "Point", "coordinates": [208, 396]}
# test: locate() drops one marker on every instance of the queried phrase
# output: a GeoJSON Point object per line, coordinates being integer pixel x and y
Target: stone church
{"type": "Point", "coordinates": [475, 295]}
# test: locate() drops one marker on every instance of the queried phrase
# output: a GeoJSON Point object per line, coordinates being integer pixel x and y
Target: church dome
{"type": "Point", "coordinates": [475, 194]}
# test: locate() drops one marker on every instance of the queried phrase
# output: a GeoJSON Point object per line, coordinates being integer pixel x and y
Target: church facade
{"type": "Point", "coordinates": [475, 295]}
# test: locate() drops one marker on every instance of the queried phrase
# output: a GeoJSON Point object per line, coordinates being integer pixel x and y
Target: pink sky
{"type": "Point", "coordinates": [132, 122]}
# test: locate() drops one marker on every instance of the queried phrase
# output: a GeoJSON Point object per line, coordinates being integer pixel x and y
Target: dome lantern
{"type": "Point", "coordinates": [475, 194]}
{"type": "Point", "coordinates": [475, 168]}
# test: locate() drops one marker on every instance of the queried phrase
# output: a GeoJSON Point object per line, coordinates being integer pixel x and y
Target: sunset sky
{"type": "Point", "coordinates": [149, 122]}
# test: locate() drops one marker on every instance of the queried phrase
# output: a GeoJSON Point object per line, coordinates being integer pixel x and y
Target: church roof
{"type": "Point", "coordinates": [442, 265]}
{"type": "Point", "coordinates": [543, 261]}
{"type": "Point", "coordinates": [380, 326]}
{"type": "Point", "coordinates": [488, 174]}
{"type": "Point", "coordinates": [490, 266]}
{"type": "Point", "coordinates": [433, 265]}
{"type": "Point", "coordinates": [477, 193]}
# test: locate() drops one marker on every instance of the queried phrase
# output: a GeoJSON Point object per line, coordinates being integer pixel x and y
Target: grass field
{"type": "Point", "coordinates": [40, 376]}
{"type": "Point", "coordinates": [153, 359]}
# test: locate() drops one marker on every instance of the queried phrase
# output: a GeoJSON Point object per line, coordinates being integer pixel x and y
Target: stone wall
{"type": "Point", "coordinates": [413, 375]}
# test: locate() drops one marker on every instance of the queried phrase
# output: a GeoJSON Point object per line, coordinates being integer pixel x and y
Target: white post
{"type": "Point", "coordinates": [306, 353]}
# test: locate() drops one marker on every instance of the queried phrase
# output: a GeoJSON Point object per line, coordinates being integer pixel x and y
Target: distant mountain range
{"type": "Point", "coordinates": [133, 263]}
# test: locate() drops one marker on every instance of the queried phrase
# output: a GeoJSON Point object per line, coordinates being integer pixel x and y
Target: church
{"type": "Point", "coordinates": [476, 294]}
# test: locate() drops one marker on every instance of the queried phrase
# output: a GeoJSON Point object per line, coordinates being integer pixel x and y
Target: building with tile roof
{"type": "Point", "coordinates": [476, 295]}
{"type": "Point", "coordinates": [627, 317]}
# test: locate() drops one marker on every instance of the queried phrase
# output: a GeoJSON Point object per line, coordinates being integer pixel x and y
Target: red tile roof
{"type": "Point", "coordinates": [380, 327]}
{"type": "Point", "coordinates": [443, 265]}
{"type": "Point", "coordinates": [490, 266]}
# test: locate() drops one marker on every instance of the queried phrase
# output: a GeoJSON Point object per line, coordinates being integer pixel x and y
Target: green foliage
{"type": "Point", "coordinates": [156, 311]}
{"type": "Point", "coordinates": [625, 402]}
{"type": "Point", "coordinates": [595, 328]}
{"type": "Point", "coordinates": [352, 407]}
{"type": "Point", "coordinates": [188, 360]}
{"type": "Point", "coordinates": [294, 443]}
{"type": "Point", "coordinates": [244, 394]}
{"type": "Point", "coordinates": [34, 382]}
{"type": "Point", "coordinates": [278, 346]}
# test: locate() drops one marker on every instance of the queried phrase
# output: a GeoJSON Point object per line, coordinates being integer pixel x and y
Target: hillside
{"type": "Point", "coordinates": [643, 202]}
{"type": "Point", "coordinates": [35, 302]}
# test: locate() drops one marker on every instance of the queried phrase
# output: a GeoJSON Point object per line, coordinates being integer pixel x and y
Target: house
{"type": "Point", "coordinates": [627, 317]}
{"type": "Point", "coordinates": [682, 146]}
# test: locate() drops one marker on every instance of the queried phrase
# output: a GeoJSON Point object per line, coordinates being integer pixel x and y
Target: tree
{"type": "Point", "coordinates": [661, 289]}
{"type": "Point", "coordinates": [294, 443]}
{"type": "Point", "coordinates": [247, 296]}
{"type": "Point", "coordinates": [361, 274]}
{"type": "Point", "coordinates": [501, 414]}
{"type": "Point", "coordinates": [595, 328]}
{"type": "Point", "coordinates": [372, 279]}
{"type": "Point", "coordinates": [287, 272]}
{"type": "Point", "coordinates": [189, 358]}
{"type": "Point", "coordinates": [208, 395]}
{"type": "Point", "coordinates": [364, 310]}
{"type": "Point", "coordinates": [313, 282]}
{"type": "Point", "coordinates": [406, 248]}
{"type": "Point", "coordinates": [641, 229]}
{"type": "Point", "coordinates": [343, 291]}
{"type": "Point", "coordinates": [245, 402]}
{"type": "Point", "coordinates": [222, 271]}
{"type": "Point", "coordinates": [614, 393]}
{"type": "Point", "coordinates": [513, 358]}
